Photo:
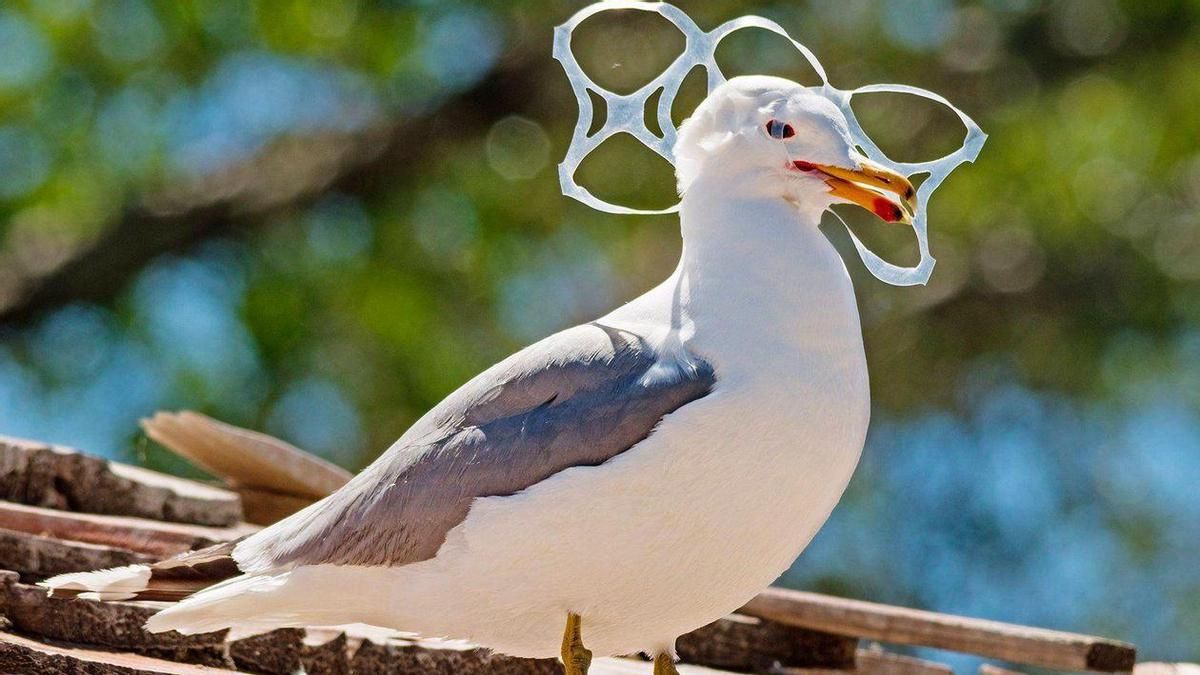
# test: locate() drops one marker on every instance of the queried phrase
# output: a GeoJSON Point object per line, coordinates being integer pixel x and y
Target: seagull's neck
{"type": "Point", "coordinates": [758, 281]}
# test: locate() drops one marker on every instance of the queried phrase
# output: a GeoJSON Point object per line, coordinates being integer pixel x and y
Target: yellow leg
{"type": "Point", "coordinates": [575, 657]}
{"type": "Point", "coordinates": [664, 665]}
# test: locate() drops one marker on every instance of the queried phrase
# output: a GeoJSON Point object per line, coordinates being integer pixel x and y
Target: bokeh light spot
{"type": "Point", "coordinates": [444, 222]}
{"type": "Point", "coordinates": [460, 46]}
{"type": "Point", "coordinates": [919, 25]}
{"type": "Point", "coordinates": [25, 56]}
{"type": "Point", "coordinates": [517, 148]}
{"type": "Point", "coordinates": [316, 415]}
{"type": "Point", "coordinates": [128, 31]}
{"type": "Point", "coordinates": [24, 161]}
{"type": "Point", "coordinates": [1089, 27]}
{"type": "Point", "coordinates": [339, 230]}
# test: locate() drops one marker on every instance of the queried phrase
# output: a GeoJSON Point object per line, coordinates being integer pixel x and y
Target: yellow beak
{"type": "Point", "coordinates": [866, 186]}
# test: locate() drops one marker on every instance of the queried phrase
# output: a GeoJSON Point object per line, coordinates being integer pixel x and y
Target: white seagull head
{"type": "Point", "coordinates": [769, 136]}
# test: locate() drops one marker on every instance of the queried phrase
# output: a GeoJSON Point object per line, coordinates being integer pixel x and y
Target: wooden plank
{"type": "Point", "coordinates": [245, 458]}
{"type": "Point", "coordinates": [436, 656]}
{"type": "Point", "coordinates": [616, 666]}
{"type": "Point", "coordinates": [119, 626]}
{"type": "Point", "coordinates": [112, 625]}
{"type": "Point", "coordinates": [733, 644]}
{"type": "Point", "coordinates": [875, 661]}
{"type": "Point", "coordinates": [900, 625]}
{"type": "Point", "coordinates": [752, 645]}
{"type": "Point", "coordinates": [325, 656]}
{"type": "Point", "coordinates": [731, 638]}
{"type": "Point", "coordinates": [135, 534]}
{"type": "Point", "coordinates": [812, 671]}
{"type": "Point", "coordinates": [23, 655]}
{"type": "Point", "coordinates": [49, 476]}
{"type": "Point", "coordinates": [46, 556]}
{"type": "Point", "coordinates": [262, 507]}
{"type": "Point", "coordinates": [457, 658]}
{"type": "Point", "coordinates": [879, 662]}
{"type": "Point", "coordinates": [275, 652]}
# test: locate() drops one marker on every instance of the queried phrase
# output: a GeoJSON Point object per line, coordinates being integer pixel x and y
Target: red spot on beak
{"type": "Point", "coordinates": [886, 210]}
{"type": "Point", "coordinates": [804, 166]}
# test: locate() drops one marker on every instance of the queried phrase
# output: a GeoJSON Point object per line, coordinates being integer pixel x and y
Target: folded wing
{"type": "Point", "coordinates": [577, 398]}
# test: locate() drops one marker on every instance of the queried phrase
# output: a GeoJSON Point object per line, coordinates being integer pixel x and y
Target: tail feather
{"type": "Point", "coordinates": [234, 603]}
{"type": "Point", "coordinates": [208, 593]}
{"type": "Point", "coordinates": [314, 596]}
{"type": "Point", "coordinates": [118, 583]}
{"type": "Point", "coordinates": [170, 580]}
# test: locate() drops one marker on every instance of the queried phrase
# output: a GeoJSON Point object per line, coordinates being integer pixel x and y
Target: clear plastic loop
{"type": "Point", "coordinates": [626, 114]}
{"type": "Point", "coordinates": [938, 170]}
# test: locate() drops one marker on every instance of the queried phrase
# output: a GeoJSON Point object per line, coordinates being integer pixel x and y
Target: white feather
{"type": "Point", "coordinates": [118, 583]}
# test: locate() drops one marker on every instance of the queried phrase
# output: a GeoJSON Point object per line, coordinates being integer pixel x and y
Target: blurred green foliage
{"type": "Point", "coordinates": [1037, 436]}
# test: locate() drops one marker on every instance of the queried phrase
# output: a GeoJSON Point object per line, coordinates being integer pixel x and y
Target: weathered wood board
{"type": "Point", "coordinates": [60, 478]}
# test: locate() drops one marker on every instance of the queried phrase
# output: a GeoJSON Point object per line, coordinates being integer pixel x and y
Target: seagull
{"type": "Point", "coordinates": [624, 481]}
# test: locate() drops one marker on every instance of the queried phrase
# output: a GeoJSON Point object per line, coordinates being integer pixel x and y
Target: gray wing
{"type": "Point", "coordinates": [577, 398]}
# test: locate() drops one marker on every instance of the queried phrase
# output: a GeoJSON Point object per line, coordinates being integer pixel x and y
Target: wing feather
{"type": "Point", "coordinates": [579, 397]}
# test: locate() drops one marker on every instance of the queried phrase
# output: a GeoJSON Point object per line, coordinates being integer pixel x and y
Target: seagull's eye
{"type": "Point", "coordinates": [780, 130]}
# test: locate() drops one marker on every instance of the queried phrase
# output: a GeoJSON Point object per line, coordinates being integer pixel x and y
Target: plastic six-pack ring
{"type": "Point", "coordinates": [626, 114]}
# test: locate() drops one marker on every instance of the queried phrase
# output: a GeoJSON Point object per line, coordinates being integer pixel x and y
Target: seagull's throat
{"type": "Point", "coordinates": [761, 283]}
{"type": "Point", "coordinates": [788, 203]}
{"type": "Point", "coordinates": [759, 242]}
{"type": "Point", "coordinates": [809, 205]}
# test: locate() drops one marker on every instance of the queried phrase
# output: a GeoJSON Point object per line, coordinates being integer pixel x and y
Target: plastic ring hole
{"type": "Point", "coordinates": [624, 50]}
